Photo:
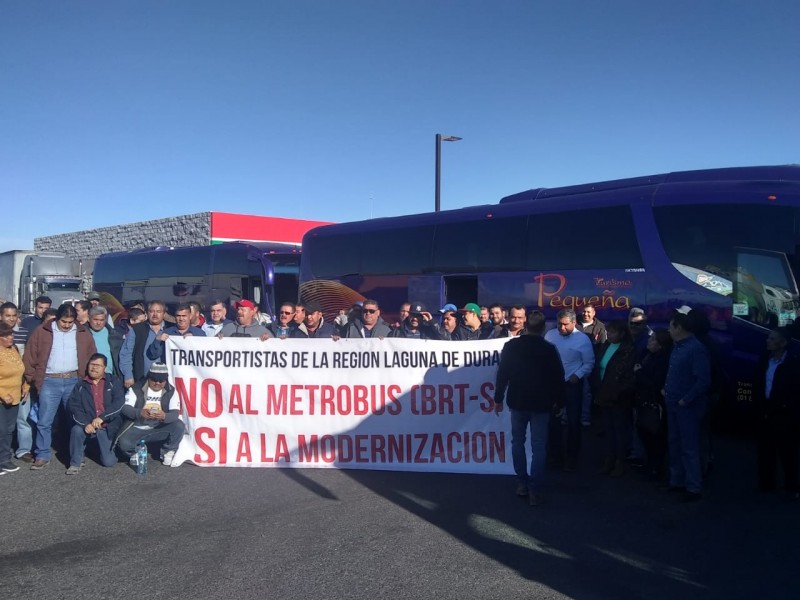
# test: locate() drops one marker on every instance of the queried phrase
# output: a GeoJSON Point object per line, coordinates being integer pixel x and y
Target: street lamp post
{"type": "Point", "coordinates": [439, 139]}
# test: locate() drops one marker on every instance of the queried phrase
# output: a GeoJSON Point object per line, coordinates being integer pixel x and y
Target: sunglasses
{"type": "Point", "coordinates": [369, 310]}
{"type": "Point", "coordinates": [286, 312]}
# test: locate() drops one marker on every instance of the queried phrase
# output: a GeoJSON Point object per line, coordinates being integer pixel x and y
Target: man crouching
{"type": "Point", "coordinates": [95, 405]}
{"type": "Point", "coordinates": [153, 408]}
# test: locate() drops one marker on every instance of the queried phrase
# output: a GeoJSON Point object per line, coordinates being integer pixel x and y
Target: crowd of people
{"type": "Point", "coordinates": [73, 373]}
{"type": "Point", "coordinates": [651, 389]}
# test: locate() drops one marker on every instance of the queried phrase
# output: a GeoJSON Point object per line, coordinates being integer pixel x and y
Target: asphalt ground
{"type": "Point", "coordinates": [192, 532]}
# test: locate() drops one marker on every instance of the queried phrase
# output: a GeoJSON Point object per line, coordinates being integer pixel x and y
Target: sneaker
{"type": "Point", "coordinates": [167, 458]}
{"type": "Point", "coordinates": [26, 458]}
{"type": "Point", "coordinates": [39, 464]}
{"type": "Point", "coordinates": [522, 490]}
{"type": "Point", "coordinates": [74, 470]}
{"type": "Point", "coordinates": [9, 467]}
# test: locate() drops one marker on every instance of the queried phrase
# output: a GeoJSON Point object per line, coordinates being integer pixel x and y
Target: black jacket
{"type": "Point", "coordinates": [81, 404]}
{"type": "Point", "coordinates": [530, 369]}
{"type": "Point", "coordinates": [782, 408]}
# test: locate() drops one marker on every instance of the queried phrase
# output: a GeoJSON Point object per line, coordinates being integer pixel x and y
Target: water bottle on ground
{"type": "Point", "coordinates": [141, 458]}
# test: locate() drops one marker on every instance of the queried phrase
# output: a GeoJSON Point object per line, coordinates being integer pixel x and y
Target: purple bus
{"type": "Point", "coordinates": [722, 240]}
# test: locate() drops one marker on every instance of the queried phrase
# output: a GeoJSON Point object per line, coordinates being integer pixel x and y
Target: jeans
{"type": "Point", "coordinates": [683, 430]}
{"type": "Point", "coordinates": [77, 440]}
{"type": "Point", "coordinates": [8, 419]}
{"type": "Point", "coordinates": [54, 393]}
{"type": "Point", "coordinates": [24, 430]}
{"type": "Point", "coordinates": [170, 433]}
{"type": "Point", "coordinates": [538, 423]}
{"type": "Point", "coordinates": [573, 401]}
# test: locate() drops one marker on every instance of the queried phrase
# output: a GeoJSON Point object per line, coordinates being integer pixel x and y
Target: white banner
{"type": "Point", "coordinates": [391, 404]}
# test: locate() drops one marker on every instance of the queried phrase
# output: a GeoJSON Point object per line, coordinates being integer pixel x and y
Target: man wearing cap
{"type": "Point", "coordinates": [471, 327]}
{"type": "Point", "coordinates": [577, 357]}
{"type": "Point", "coordinates": [153, 408]}
{"type": "Point", "coordinates": [417, 325]}
{"type": "Point", "coordinates": [183, 327]}
{"type": "Point", "coordinates": [370, 325]}
{"type": "Point", "coordinates": [245, 324]}
{"type": "Point", "coordinates": [315, 324]}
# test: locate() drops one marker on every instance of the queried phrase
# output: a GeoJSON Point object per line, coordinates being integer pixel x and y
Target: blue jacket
{"type": "Point", "coordinates": [157, 350]}
{"type": "Point", "coordinates": [689, 374]}
{"type": "Point", "coordinates": [81, 404]}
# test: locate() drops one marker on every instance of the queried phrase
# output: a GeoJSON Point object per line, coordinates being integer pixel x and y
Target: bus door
{"type": "Point", "coordinates": [765, 296]}
{"type": "Point", "coordinates": [460, 289]}
{"type": "Point", "coordinates": [426, 289]}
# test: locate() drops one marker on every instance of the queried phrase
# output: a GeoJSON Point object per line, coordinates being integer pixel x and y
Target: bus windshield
{"type": "Point", "coordinates": [750, 253]}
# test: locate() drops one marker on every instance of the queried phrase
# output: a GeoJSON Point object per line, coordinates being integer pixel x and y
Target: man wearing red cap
{"type": "Point", "coordinates": [245, 324]}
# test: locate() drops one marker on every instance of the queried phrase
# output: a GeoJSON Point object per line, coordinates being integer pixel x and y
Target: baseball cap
{"type": "Point", "coordinates": [417, 309]}
{"type": "Point", "coordinates": [450, 308]}
{"type": "Point", "coordinates": [244, 303]}
{"type": "Point", "coordinates": [312, 306]}
{"type": "Point", "coordinates": [93, 296]}
{"type": "Point", "coordinates": [471, 307]}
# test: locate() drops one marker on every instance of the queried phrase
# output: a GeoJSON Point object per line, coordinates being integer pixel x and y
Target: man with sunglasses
{"type": "Point", "coordinates": [640, 332]}
{"type": "Point", "coordinates": [285, 326]}
{"type": "Point", "coordinates": [370, 325]}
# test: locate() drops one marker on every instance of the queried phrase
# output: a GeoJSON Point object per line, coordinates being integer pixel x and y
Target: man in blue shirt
{"type": "Point", "coordinates": [686, 398]}
{"type": "Point", "coordinates": [577, 357]}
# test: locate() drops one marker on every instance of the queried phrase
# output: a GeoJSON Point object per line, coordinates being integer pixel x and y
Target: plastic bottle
{"type": "Point", "coordinates": [141, 458]}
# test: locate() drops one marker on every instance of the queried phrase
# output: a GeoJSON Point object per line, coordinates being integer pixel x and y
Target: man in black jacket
{"type": "Point", "coordinates": [530, 369]}
{"type": "Point", "coordinates": [95, 405]}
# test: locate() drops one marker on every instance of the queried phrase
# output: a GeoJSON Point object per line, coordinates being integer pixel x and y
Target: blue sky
{"type": "Point", "coordinates": [127, 110]}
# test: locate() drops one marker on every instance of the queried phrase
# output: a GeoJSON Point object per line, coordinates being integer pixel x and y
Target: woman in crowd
{"type": "Point", "coordinates": [12, 389]}
{"type": "Point", "coordinates": [651, 423]}
{"type": "Point", "coordinates": [613, 392]}
{"type": "Point", "coordinates": [776, 393]}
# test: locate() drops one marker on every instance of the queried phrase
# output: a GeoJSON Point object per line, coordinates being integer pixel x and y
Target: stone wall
{"type": "Point", "coordinates": [186, 230]}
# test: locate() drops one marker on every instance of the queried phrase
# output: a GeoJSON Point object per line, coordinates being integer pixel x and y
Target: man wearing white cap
{"type": "Point", "coordinates": [153, 408]}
